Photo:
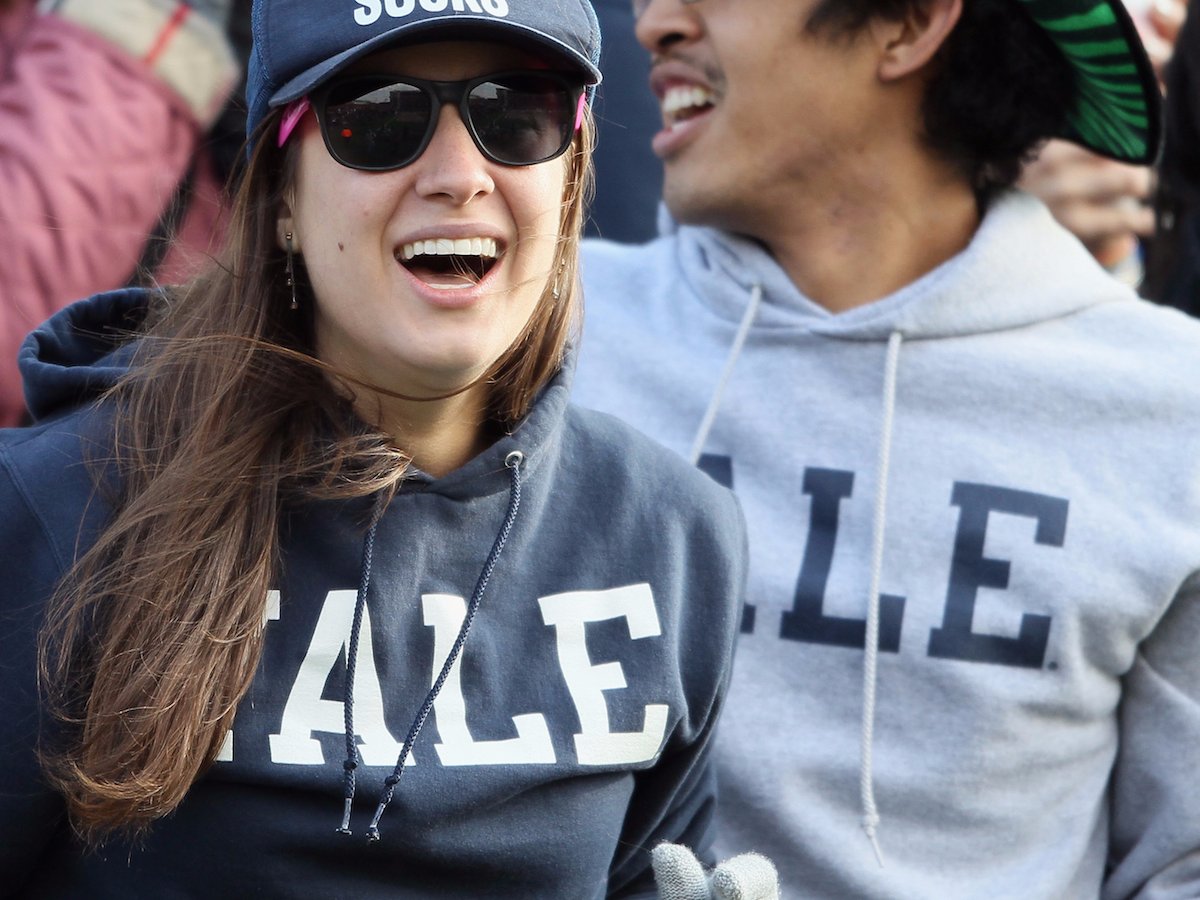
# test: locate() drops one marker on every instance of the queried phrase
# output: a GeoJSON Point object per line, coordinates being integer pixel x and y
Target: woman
{"type": "Point", "coordinates": [354, 564]}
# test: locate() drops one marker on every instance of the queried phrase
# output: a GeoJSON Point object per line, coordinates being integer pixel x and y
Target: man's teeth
{"type": "Point", "coordinates": [451, 247]}
{"type": "Point", "coordinates": [685, 97]}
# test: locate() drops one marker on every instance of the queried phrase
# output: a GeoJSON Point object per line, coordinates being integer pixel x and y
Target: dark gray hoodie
{"type": "Point", "coordinates": [570, 735]}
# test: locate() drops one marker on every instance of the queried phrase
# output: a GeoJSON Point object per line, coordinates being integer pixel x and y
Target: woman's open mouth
{"type": "Point", "coordinates": [450, 263]}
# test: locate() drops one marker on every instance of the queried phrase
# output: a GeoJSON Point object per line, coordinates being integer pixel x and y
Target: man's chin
{"type": "Point", "coordinates": [696, 204]}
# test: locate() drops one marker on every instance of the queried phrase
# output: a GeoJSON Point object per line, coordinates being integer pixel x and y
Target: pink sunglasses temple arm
{"type": "Point", "coordinates": [291, 118]}
{"type": "Point", "coordinates": [583, 98]}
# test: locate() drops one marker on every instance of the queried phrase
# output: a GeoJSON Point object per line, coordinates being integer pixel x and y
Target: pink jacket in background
{"type": "Point", "coordinates": [103, 104]}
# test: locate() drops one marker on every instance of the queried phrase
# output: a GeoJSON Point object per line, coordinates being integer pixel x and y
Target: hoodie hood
{"type": "Point", "coordinates": [1012, 271]}
{"type": "Point", "coordinates": [80, 352]}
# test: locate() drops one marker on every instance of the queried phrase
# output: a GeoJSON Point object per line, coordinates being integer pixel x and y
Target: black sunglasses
{"type": "Point", "coordinates": [382, 122]}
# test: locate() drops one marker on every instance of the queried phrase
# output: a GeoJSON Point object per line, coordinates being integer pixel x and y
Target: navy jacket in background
{"type": "Point", "coordinates": [628, 174]}
{"type": "Point", "coordinates": [1173, 263]}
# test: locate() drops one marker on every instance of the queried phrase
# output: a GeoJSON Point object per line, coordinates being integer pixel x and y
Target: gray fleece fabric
{"type": "Point", "coordinates": [1035, 728]}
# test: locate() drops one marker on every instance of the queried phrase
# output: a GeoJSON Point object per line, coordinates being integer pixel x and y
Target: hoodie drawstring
{"type": "Point", "coordinates": [735, 351]}
{"type": "Point", "coordinates": [870, 819]}
{"type": "Point", "coordinates": [360, 602]}
{"type": "Point", "coordinates": [513, 463]}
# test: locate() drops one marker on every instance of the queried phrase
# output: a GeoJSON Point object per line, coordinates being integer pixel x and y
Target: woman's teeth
{"type": "Point", "coordinates": [484, 247]}
{"type": "Point", "coordinates": [449, 263]}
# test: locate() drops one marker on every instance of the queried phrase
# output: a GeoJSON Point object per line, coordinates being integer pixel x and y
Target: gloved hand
{"type": "Point", "coordinates": [680, 876]}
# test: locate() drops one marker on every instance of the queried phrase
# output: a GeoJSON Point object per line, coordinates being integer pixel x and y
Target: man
{"type": "Point", "coordinates": [959, 443]}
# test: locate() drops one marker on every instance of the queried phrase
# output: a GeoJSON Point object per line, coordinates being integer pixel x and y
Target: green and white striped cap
{"type": "Point", "coordinates": [1116, 111]}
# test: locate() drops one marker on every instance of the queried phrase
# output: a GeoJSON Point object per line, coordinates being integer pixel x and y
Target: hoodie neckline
{"type": "Point", "coordinates": [1020, 268]}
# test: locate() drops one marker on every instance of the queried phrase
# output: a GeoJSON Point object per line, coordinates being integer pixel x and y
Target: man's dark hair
{"type": "Point", "coordinates": [1000, 85]}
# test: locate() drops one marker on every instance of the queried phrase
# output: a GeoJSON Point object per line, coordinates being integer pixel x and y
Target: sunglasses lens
{"type": "Point", "coordinates": [522, 119]}
{"type": "Point", "coordinates": [381, 126]}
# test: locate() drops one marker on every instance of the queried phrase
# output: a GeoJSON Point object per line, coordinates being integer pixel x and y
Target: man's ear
{"type": "Point", "coordinates": [908, 44]}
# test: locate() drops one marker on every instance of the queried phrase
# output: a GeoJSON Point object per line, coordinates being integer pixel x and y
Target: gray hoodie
{"type": "Point", "coordinates": [996, 472]}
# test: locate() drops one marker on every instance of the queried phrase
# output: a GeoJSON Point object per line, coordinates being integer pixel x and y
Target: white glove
{"type": "Point", "coordinates": [679, 876]}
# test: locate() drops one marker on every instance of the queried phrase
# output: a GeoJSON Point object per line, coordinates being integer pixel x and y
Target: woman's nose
{"type": "Point", "coordinates": [452, 166]}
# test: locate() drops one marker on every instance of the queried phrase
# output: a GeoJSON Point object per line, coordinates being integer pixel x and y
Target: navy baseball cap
{"type": "Point", "coordinates": [300, 44]}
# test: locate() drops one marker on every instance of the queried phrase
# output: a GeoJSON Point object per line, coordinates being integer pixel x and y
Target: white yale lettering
{"type": "Point", "coordinates": [595, 745]}
{"type": "Point", "coordinates": [369, 11]}
{"type": "Point", "coordinates": [445, 613]}
{"type": "Point", "coordinates": [306, 712]}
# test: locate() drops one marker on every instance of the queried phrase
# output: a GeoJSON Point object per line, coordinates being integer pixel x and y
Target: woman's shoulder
{"type": "Point", "coordinates": [48, 478]}
{"type": "Point", "coordinates": [57, 444]}
{"type": "Point", "coordinates": [627, 459]}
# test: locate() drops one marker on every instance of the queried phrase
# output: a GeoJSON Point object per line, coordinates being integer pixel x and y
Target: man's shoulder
{"type": "Point", "coordinates": [622, 283]}
{"type": "Point", "coordinates": [606, 263]}
{"type": "Point", "coordinates": [1140, 329]}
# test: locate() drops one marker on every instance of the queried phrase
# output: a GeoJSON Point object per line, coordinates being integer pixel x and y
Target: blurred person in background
{"type": "Point", "coordinates": [1109, 205]}
{"type": "Point", "coordinates": [1173, 262]}
{"type": "Point", "coordinates": [105, 108]}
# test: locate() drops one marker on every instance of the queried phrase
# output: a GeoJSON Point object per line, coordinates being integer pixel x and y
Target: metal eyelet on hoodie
{"type": "Point", "coordinates": [513, 462]}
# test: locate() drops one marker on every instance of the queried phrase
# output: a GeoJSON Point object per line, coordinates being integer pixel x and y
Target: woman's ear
{"type": "Point", "coordinates": [908, 44]}
{"type": "Point", "coordinates": [285, 225]}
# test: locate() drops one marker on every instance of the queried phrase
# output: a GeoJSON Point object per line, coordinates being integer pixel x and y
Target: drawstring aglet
{"type": "Point", "coordinates": [345, 829]}
{"type": "Point", "coordinates": [389, 790]}
{"type": "Point", "coordinates": [868, 823]}
{"type": "Point", "coordinates": [373, 831]}
{"type": "Point", "coordinates": [349, 766]}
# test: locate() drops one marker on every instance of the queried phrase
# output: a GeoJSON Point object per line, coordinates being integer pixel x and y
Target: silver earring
{"type": "Point", "coordinates": [291, 271]}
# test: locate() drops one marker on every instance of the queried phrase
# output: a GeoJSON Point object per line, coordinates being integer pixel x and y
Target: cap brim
{"type": "Point", "coordinates": [1117, 109]}
{"type": "Point", "coordinates": [460, 28]}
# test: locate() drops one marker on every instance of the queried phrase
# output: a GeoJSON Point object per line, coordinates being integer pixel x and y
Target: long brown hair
{"type": "Point", "coordinates": [154, 636]}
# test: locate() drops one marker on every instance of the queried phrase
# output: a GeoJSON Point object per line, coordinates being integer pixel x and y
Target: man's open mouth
{"type": "Point", "coordinates": [685, 101]}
